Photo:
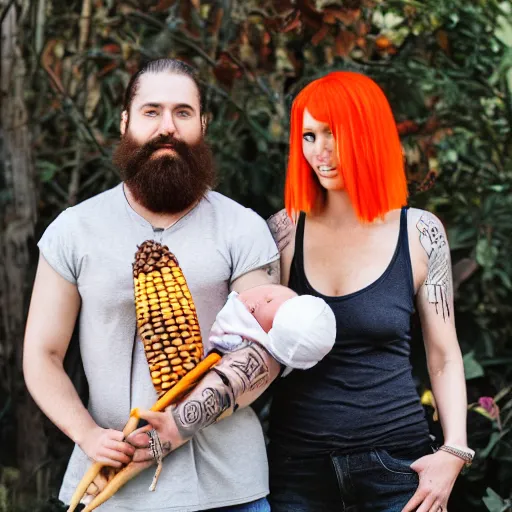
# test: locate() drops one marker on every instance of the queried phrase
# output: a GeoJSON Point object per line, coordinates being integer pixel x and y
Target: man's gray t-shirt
{"type": "Point", "coordinates": [93, 246]}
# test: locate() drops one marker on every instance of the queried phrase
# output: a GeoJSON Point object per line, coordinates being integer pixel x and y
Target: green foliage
{"type": "Point", "coordinates": [446, 67]}
{"type": "Point", "coordinates": [495, 503]}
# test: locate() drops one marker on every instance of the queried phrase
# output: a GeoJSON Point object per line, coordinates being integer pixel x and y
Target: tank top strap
{"type": "Point", "coordinates": [403, 241]}
{"type": "Point", "coordinates": [403, 225]}
{"type": "Point", "coordinates": [299, 236]}
{"type": "Point", "coordinates": [297, 281]}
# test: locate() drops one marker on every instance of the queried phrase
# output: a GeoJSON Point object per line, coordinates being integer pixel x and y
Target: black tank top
{"type": "Point", "coordinates": [362, 394]}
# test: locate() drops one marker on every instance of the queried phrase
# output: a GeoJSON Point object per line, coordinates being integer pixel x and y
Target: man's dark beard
{"type": "Point", "coordinates": [169, 183]}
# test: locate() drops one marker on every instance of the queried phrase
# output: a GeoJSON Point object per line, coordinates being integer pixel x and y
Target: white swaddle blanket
{"type": "Point", "coordinates": [303, 331]}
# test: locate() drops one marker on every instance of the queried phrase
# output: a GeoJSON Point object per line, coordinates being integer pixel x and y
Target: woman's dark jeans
{"type": "Point", "coordinates": [374, 481]}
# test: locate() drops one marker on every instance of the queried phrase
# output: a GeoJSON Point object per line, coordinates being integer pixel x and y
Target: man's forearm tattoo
{"type": "Point", "coordinates": [438, 282]}
{"type": "Point", "coordinates": [237, 373]}
{"type": "Point", "coordinates": [197, 412]}
{"type": "Point", "coordinates": [245, 370]}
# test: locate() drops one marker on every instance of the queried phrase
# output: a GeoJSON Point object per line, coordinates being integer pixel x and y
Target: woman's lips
{"type": "Point", "coordinates": [327, 171]}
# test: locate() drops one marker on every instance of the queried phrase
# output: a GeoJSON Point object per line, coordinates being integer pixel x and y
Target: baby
{"type": "Point", "coordinates": [298, 331]}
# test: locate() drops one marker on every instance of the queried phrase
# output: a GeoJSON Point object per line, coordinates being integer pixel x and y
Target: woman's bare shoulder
{"type": "Point", "coordinates": [425, 222]}
{"type": "Point", "coordinates": [282, 229]}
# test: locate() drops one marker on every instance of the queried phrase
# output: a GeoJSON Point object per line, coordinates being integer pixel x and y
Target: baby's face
{"type": "Point", "coordinates": [264, 301]}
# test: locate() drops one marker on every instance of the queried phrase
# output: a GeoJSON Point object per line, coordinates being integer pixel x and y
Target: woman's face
{"type": "Point", "coordinates": [319, 149]}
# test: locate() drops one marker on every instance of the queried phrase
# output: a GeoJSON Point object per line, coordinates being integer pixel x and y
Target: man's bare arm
{"type": "Point", "coordinates": [53, 312]}
{"type": "Point", "coordinates": [267, 274]}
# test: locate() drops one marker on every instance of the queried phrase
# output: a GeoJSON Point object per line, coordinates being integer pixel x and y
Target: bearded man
{"type": "Point", "coordinates": [84, 273]}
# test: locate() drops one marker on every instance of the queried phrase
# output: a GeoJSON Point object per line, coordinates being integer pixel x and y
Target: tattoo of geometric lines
{"type": "Point", "coordinates": [438, 277]}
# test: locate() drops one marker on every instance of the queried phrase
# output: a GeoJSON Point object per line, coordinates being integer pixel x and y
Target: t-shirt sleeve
{"type": "Point", "coordinates": [58, 247]}
{"type": "Point", "coordinates": [252, 245]}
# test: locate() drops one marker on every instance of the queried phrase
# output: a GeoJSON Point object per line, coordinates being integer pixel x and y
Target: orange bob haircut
{"type": "Point", "coordinates": [369, 151]}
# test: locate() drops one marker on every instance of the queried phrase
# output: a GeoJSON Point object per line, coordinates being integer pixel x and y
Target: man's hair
{"type": "Point", "coordinates": [370, 157]}
{"type": "Point", "coordinates": [175, 66]}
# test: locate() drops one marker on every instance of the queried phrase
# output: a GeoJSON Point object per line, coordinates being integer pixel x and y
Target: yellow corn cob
{"type": "Point", "coordinates": [166, 316]}
{"type": "Point", "coordinates": [167, 324]}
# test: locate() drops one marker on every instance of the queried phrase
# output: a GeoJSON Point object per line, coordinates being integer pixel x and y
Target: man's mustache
{"type": "Point", "coordinates": [164, 141]}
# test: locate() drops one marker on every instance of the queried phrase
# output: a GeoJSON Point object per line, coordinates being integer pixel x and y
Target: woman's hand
{"type": "Point", "coordinates": [106, 446]}
{"type": "Point", "coordinates": [437, 473]}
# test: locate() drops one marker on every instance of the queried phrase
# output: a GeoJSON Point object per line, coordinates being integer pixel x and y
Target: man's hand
{"type": "Point", "coordinates": [437, 473]}
{"type": "Point", "coordinates": [165, 428]}
{"type": "Point", "coordinates": [106, 475]}
{"type": "Point", "coordinates": [236, 381]}
{"type": "Point", "coordinates": [107, 446]}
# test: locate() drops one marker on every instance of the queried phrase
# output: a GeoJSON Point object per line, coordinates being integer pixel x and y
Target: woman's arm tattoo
{"type": "Point", "coordinates": [281, 227]}
{"type": "Point", "coordinates": [439, 281]}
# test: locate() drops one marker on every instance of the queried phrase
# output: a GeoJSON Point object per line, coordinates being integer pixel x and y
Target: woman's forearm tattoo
{"type": "Point", "coordinates": [438, 282]}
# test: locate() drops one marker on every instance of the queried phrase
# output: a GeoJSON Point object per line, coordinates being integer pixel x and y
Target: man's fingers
{"type": "Point", "coordinates": [92, 489]}
{"type": "Point", "coordinates": [139, 439]}
{"type": "Point", "coordinates": [108, 462]}
{"type": "Point", "coordinates": [101, 481]}
{"type": "Point", "coordinates": [154, 418]}
{"type": "Point", "coordinates": [120, 446]}
{"type": "Point", "coordinates": [143, 455]}
{"type": "Point", "coordinates": [116, 435]}
{"type": "Point", "coordinates": [108, 455]}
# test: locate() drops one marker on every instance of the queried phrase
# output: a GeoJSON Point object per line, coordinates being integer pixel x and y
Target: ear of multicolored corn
{"type": "Point", "coordinates": [166, 316]}
{"type": "Point", "coordinates": [168, 326]}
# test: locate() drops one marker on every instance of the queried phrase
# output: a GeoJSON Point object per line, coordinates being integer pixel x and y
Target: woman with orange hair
{"type": "Point", "coordinates": [351, 434]}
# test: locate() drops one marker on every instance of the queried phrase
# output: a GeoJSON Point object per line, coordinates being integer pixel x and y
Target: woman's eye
{"type": "Point", "coordinates": [184, 113]}
{"type": "Point", "coordinates": [308, 137]}
{"type": "Point", "coordinates": [151, 113]}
